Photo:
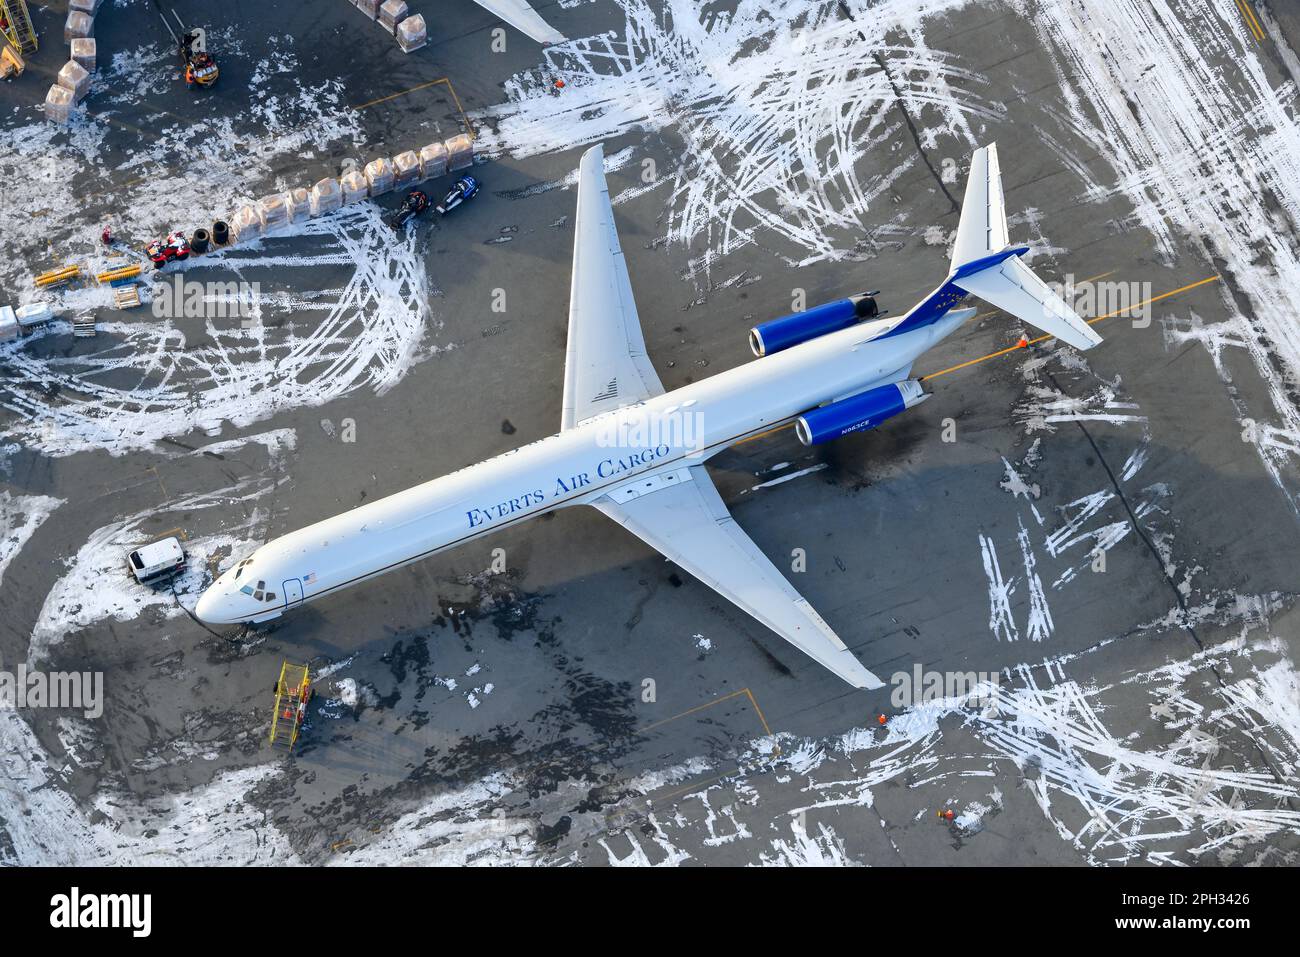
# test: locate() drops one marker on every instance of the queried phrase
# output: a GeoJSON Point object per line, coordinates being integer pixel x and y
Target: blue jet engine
{"type": "Point", "coordinates": [767, 338]}
{"type": "Point", "coordinates": [857, 413]}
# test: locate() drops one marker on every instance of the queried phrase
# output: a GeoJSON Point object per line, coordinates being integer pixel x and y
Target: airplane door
{"type": "Point", "coordinates": [292, 592]}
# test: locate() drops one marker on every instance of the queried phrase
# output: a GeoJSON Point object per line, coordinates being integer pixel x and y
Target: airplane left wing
{"type": "Point", "coordinates": [520, 15]}
{"type": "Point", "coordinates": [606, 365]}
{"type": "Point", "coordinates": [681, 514]}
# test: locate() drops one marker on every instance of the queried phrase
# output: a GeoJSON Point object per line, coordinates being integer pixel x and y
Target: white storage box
{"type": "Point", "coordinates": [246, 225]}
{"type": "Point", "coordinates": [460, 152]}
{"type": "Point", "coordinates": [406, 169]}
{"type": "Point", "coordinates": [354, 187]}
{"type": "Point", "coordinates": [299, 204]}
{"type": "Point", "coordinates": [433, 161]}
{"type": "Point", "coordinates": [58, 104]}
{"type": "Point", "coordinates": [78, 25]}
{"type": "Point", "coordinates": [84, 52]}
{"type": "Point", "coordinates": [379, 176]}
{"type": "Point", "coordinates": [75, 78]}
{"type": "Point", "coordinates": [412, 33]}
{"type": "Point", "coordinates": [326, 196]}
{"type": "Point", "coordinates": [391, 13]}
{"type": "Point", "coordinates": [273, 211]}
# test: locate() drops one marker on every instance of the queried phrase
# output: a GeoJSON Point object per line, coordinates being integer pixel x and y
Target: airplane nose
{"type": "Point", "coordinates": [208, 608]}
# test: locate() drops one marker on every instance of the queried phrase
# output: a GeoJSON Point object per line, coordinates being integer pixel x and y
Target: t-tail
{"type": "Point", "coordinates": [985, 264]}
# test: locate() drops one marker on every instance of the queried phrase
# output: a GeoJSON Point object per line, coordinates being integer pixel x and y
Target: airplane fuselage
{"type": "Point", "coordinates": [598, 456]}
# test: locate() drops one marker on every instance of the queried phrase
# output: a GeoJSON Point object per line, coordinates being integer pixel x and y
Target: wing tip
{"type": "Point", "coordinates": [867, 680]}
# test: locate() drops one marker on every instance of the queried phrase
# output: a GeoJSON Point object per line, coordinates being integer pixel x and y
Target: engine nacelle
{"type": "Point", "coordinates": [857, 413]}
{"type": "Point", "coordinates": [769, 337]}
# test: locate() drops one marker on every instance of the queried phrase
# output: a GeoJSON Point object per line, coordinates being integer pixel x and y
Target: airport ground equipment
{"type": "Point", "coordinates": [292, 693]}
{"type": "Point", "coordinates": [34, 314]}
{"type": "Point", "coordinates": [16, 25]}
{"type": "Point", "coordinates": [199, 63]}
{"type": "Point", "coordinates": [158, 560]}
{"type": "Point", "coordinates": [465, 189]}
{"type": "Point", "coordinates": [11, 63]}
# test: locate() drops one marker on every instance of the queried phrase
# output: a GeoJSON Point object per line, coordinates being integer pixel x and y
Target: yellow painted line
{"type": "Point", "coordinates": [394, 96]}
{"type": "Point", "coordinates": [156, 475]}
{"type": "Point", "coordinates": [473, 135]}
{"type": "Point", "coordinates": [689, 711]}
{"type": "Point", "coordinates": [759, 711]}
{"type": "Point", "coordinates": [612, 820]}
{"type": "Point", "coordinates": [709, 704]}
{"type": "Point", "coordinates": [424, 86]}
{"type": "Point", "coordinates": [1109, 315]}
{"type": "Point", "coordinates": [1248, 15]}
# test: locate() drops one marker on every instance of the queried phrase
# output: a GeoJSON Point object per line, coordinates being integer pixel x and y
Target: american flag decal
{"type": "Point", "coordinates": [609, 392]}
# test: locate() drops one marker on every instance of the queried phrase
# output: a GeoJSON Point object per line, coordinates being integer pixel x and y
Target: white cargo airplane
{"type": "Point", "coordinates": [520, 15]}
{"type": "Point", "coordinates": [623, 449]}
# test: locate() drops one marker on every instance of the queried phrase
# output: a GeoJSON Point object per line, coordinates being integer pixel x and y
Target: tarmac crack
{"type": "Point", "coordinates": [916, 136]}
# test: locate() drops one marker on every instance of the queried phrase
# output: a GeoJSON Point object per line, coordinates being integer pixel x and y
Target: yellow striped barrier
{"type": "Point", "coordinates": [57, 276]}
{"type": "Point", "coordinates": [122, 272]}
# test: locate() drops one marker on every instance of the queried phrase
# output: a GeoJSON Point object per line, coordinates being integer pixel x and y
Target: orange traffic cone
{"type": "Point", "coordinates": [1022, 343]}
{"type": "Point", "coordinates": [881, 718]}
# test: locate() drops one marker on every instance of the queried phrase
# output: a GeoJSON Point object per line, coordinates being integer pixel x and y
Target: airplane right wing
{"type": "Point", "coordinates": [606, 365]}
{"type": "Point", "coordinates": [520, 15]}
{"type": "Point", "coordinates": [680, 513]}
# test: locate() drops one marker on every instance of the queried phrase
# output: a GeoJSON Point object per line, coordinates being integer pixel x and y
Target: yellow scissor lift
{"type": "Point", "coordinates": [292, 692]}
{"type": "Point", "coordinates": [16, 24]}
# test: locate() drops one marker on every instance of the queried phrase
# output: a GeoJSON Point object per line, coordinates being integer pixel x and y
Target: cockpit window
{"type": "Point", "coordinates": [239, 569]}
{"type": "Point", "coordinates": [259, 591]}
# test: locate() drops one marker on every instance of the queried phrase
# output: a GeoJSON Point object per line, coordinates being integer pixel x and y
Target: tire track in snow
{"type": "Point", "coordinates": [773, 104]}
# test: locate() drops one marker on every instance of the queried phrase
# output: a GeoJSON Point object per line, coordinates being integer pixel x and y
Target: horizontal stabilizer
{"type": "Point", "coordinates": [1012, 287]}
{"type": "Point", "coordinates": [985, 264]}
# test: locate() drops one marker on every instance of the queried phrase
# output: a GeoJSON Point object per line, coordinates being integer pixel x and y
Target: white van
{"type": "Point", "coordinates": [157, 560]}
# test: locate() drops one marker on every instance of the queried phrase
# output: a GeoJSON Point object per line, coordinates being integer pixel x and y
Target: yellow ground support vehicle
{"type": "Point", "coordinates": [200, 65]}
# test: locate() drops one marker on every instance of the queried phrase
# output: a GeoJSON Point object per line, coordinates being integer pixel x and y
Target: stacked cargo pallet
{"type": "Point", "coordinates": [73, 83]}
{"type": "Point", "coordinates": [410, 32]}
{"type": "Point", "coordinates": [379, 176]}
